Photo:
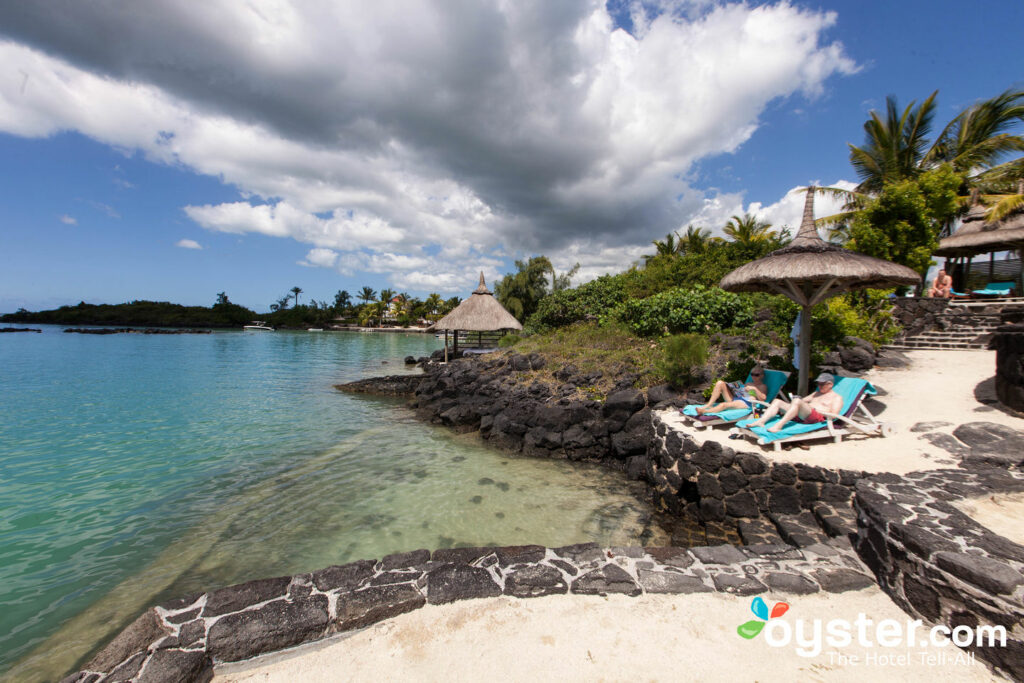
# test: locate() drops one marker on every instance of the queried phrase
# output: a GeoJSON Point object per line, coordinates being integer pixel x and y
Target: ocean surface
{"type": "Point", "coordinates": [135, 468]}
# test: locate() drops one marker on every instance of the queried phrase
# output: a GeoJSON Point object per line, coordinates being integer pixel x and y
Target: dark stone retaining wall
{"type": "Point", "coordinates": [939, 564]}
{"type": "Point", "coordinates": [1008, 343]}
{"type": "Point", "coordinates": [181, 640]}
{"type": "Point", "coordinates": [745, 495]}
{"type": "Point", "coordinates": [918, 314]}
{"type": "Point", "coordinates": [542, 419]}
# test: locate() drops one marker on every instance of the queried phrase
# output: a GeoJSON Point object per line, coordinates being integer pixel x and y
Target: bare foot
{"type": "Point", "coordinates": [702, 409]}
{"type": "Point", "coordinates": [758, 423]}
{"type": "Point", "coordinates": [774, 429]}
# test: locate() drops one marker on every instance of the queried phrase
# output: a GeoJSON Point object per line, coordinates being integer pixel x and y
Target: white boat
{"type": "Point", "coordinates": [258, 325]}
{"type": "Point", "coordinates": [315, 329]}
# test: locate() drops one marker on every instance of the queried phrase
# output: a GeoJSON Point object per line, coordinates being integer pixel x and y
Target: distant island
{"type": "Point", "coordinates": [138, 313]}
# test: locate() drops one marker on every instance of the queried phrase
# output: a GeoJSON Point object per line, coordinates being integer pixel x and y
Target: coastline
{"type": "Point", "coordinates": [795, 526]}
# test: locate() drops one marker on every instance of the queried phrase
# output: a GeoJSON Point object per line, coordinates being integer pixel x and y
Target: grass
{"type": "Point", "coordinates": [590, 347]}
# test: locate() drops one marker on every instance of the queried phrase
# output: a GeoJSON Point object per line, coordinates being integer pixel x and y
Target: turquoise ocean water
{"type": "Point", "coordinates": [135, 468]}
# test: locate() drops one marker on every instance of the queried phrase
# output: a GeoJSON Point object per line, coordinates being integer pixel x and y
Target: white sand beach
{"type": "Point", "coordinates": [617, 638]}
{"type": "Point", "coordinates": [1002, 513]}
{"type": "Point", "coordinates": [939, 386]}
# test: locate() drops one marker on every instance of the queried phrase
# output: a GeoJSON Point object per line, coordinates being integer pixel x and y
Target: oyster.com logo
{"type": "Point", "coordinates": [760, 609]}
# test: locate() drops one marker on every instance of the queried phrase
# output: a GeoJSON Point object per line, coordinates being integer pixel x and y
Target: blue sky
{"type": "Point", "coordinates": [341, 145]}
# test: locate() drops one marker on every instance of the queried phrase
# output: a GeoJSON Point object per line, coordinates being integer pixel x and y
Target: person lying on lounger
{"type": "Point", "coordinates": [736, 394]}
{"type": "Point", "coordinates": [808, 409]}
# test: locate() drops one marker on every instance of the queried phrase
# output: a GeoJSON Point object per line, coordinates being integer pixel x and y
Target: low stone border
{"type": "Point", "coordinates": [939, 564]}
{"type": "Point", "coordinates": [183, 639]}
{"type": "Point", "coordinates": [738, 493]}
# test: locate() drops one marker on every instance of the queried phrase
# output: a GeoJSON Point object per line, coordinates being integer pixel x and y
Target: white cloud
{"type": "Point", "coordinates": [188, 244]}
{"type": "Point", "coordinates": [68, 220]}
{"type": "Point", "coordinates": [382, 132]}
{"type": "Point", "coordinates": [320, 258]}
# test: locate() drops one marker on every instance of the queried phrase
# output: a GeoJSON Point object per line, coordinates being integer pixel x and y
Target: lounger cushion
{"type": "Point", "coordinates": [773, 381]}
{"type": "Point", "coordinates": [852, 389]}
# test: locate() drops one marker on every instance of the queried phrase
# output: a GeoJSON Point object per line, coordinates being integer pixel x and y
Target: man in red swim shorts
{"type": "Point", "coordinates": [809, 409]}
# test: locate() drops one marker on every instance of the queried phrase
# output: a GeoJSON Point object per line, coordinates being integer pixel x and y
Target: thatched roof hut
{"type": "Point", "coordinates": [481, 312]}
{"type": "Point", "coordinates": [978, 236]}
{"type": "Point", "coordinates": [809, 270]}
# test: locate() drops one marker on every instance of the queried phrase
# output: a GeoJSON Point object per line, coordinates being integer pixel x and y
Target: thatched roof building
{"type": "Point", "coordinates": [978, 236]}
{"type": "Point", "coordinates": [481, 312]}
{"type": "Point", "coordinates": [809, 270]}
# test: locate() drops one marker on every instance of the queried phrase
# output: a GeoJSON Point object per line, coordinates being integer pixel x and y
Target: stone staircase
{"type": "Point", "coordinates": [967, 324]}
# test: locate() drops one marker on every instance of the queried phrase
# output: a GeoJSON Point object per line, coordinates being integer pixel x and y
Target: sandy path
{"type": "Point", "coordinates": [938, 386]}
{"type": "Point", "coordinates": [586, 638]}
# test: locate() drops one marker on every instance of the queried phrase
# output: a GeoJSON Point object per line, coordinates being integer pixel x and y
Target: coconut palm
{"type": "Point", "coordinates": [894, 147]}
{"type": "Point", "coordinates": [748, 230]}
{"type": "Point", "coordinates": [695, 240]}
{"type": "Point", "coordinates": [366, 295]}
{"type": "Point", "coordinates": [342, 300]}
{"type": "Point", "coordinates": [386, 295]}
{"type": "Point", "coordinates": [563, 281]}
{"type": "Point", "coordinates": [432, 304]}
{"type": "Point", "coordinates": [296, 291]}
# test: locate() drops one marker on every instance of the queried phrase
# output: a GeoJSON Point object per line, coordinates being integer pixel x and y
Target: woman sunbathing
{"type": "Point", "coordinates": [736, 394]}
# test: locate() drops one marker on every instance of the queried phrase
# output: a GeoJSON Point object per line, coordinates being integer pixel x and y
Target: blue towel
{"type": "Point", "coordinates": [730, 415]}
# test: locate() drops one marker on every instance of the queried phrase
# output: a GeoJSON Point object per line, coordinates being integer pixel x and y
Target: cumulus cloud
{"type": "Point", "coordinates": [320, 258]}
{"type": "Point", "coordinates": [388, 130]}
{"type": "Point", "coordinates": [188, 244]}
{"type": "Point", "coordinates": [68, 220]}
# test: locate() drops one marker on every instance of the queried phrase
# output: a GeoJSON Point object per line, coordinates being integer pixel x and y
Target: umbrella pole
{"type": "Point", "coordinates": [805, 351]}
{"type": "Point", "coordinates": [446, 347]}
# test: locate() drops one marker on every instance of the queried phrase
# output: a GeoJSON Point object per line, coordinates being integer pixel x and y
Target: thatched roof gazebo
{"type": "Point", "coordinates": [809, 270]}
{"type": "Point", "coordinates": [481, 312]}
{"type": "Point", "coordinates": [978, 236]}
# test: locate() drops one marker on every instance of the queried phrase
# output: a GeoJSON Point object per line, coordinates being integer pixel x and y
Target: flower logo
{"type": "Point", "coordinates": [760, 609]}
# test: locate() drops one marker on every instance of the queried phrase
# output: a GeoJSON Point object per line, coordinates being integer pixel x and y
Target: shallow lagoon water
{"type": "Point", "coordinates": [136, 468]}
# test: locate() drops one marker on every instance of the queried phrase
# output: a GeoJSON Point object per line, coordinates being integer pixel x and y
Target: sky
{"type": "Point", "coordinates": [170, 151]}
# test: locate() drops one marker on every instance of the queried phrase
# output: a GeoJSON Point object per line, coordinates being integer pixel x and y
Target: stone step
{"type": "Point", "coordinates": [836, 521]}
{"type": "Point", "coordinates": [758, 531]}
{"type": "Point", "coordinates": [799, 530]}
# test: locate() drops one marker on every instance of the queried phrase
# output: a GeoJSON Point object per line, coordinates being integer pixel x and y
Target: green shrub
{"type": "Point", "coordinates": [697, 309]}
{"type": "Point", "coordinates": [595, 298]}
{"type": "Point", "coordinates": [683, 356]}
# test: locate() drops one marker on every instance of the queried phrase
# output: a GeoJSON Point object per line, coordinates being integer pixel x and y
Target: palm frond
{"type": "Point", "coordinates": [1009, 204]}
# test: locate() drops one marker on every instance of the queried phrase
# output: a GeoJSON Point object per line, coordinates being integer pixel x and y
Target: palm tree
{"type": "Point", "coordinates": [366, 295]}
{"type": "Point", "coordinates": [695, 240]}
{"type": "Point", "coordinates": [386, 295]}
{"type": "Point", "coordinates": [979, 135]}
{"type": "Point", "coordinates": [668, 247]}
{"type": "Point", "coordinates": [748, 230]}
{"type": "Point", "coordinates": [296, 291]}
{"type": "Point", "coordinates": [342, 300]}
{"type": "Point", "coordinates": [894, 148]}
{"type": "Point", "coordinates": [433, 304]}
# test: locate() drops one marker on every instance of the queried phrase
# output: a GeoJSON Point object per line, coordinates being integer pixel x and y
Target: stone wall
{"type": "Point", "coordinates": [543, 418]}
{"type": "Point", "coordinates": [745, 496]}
{"type": "Point", "coordinates": [918, 314]}
{"type": "Point", "coordinates": [180, 641]}
{"type": "Point", "coordinates": [939, 564]}
{"type": "Point", "coordinates": [1008, 343]}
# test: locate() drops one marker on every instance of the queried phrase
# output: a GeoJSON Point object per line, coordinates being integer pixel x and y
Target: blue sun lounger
{"type": "Point", "coordinates": [853, 390]}
{"type": "Point", "coordinates": [995, 289]}
{"type": "Point", "coordinates": [773, 380]}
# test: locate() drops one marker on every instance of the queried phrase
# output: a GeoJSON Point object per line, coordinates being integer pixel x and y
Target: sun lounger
{"type": "Point", "coordinates": [854, 419]}
{"type": "Point", "coordinates": [773, 380]}
{"type": "Point", "coordinates": [995, 289]}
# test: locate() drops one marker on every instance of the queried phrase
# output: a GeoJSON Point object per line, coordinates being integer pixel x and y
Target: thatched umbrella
{"type": "Point", "coordinates": [481, 312]}
{"type": "Point", "coordinates": [809, 270]}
